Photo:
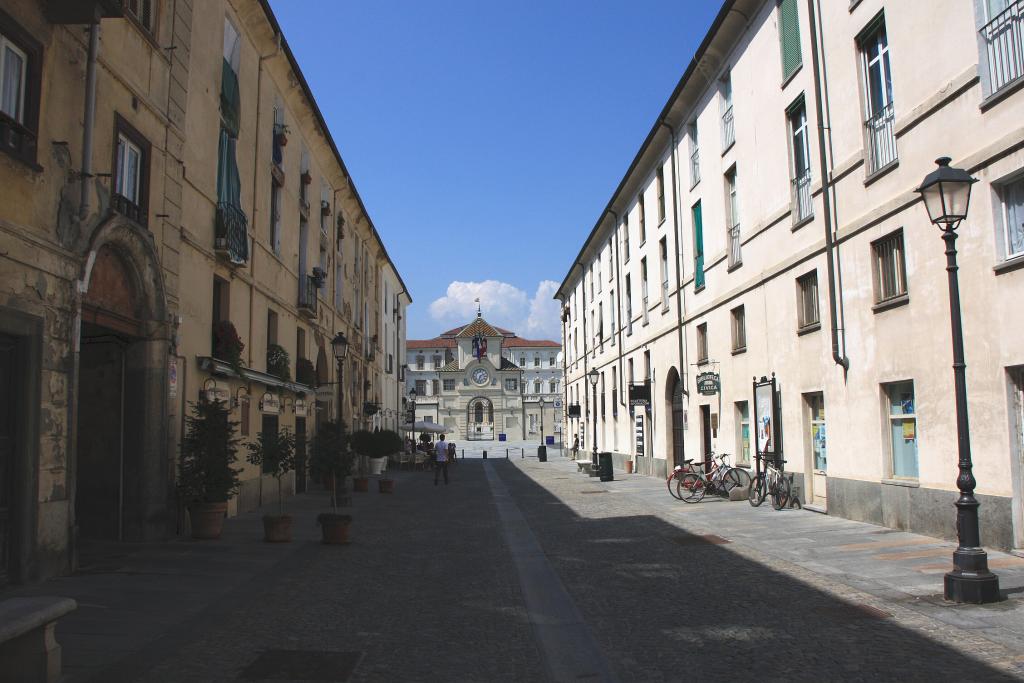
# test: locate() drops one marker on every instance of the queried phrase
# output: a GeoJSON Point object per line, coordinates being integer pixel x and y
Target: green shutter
{"type": "Point", "coordinates": [789, 35]}
{"type": "Point", "coordinates": [698, 248]}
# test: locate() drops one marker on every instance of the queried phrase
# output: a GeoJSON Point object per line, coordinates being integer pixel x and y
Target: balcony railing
{"type": "Point", "coordinates": [231, 239]}
{"type": "Point", "coordinates": [127, 208]}
{"type": "Point", "coordinates": [735, 258]}
{"type": "Point", "coordinates": [802, 204]}
{"type": "Point", "coordinates": [728, 129]}
{"type": "Point", "coordinates": [881, 139]}
{"type": "Point", "coordinates": [1004, 40]}
{"type": "Point", "coordinates": [308, 286]}
{"type": "Point", "coordinates": [694, 167]}
{"type": "Point", "coordinates": [16, 139]}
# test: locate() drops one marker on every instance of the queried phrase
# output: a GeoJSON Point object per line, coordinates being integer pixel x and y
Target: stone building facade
{"type": "Point", "coordinates": [512, 389]}
{"type": "Point", "coordinates": [722, 251]}
{"type": "Point", "coordinates": [164, 170]}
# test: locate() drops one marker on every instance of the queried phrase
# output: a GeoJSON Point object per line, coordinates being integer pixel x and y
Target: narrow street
{"type": "Point", "coordinates": [528, 571]}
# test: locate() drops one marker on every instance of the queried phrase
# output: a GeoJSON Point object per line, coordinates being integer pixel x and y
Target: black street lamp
{"type": "Point", "coordinates": [594, 376]}
{"type": "Point", "coordinates": [540, 402]}
{"type": "Point", "coordinates": [340, 347]}
{"type": "Point", "coordinates": [412, 416]}
{"type": "Point", "coordinates": [947, 193]}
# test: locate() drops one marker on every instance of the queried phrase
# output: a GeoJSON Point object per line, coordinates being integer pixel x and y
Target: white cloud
{"type": "Point", "coordinates": [504, 305]}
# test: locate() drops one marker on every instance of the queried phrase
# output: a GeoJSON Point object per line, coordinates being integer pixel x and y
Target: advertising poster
{"type": "Point", "coordinates": [763, 413]}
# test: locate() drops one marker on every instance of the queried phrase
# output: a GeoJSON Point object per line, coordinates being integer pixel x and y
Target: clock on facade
{"type": "Point", "coordinates": [480, 376]}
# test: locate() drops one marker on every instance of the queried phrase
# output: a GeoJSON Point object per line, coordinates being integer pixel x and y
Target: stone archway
{"type": "Point", "coordinates": [480, 420]}
{"type": "Point", "coordinates": [674, 405]}
{"type": "Point", "coordinates": [121, 474]}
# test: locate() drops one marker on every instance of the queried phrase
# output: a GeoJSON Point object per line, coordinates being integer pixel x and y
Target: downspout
{"type": "Point", "coordinates": [826, 176]}
{"type": "Point", "coordinates": [618, 309]}
{"type": "Point", "coordinates": [90, 118]}
{"type": "Point", "coordinates": [565, 383]}
{"type": "Point", "coordinates": [394, 363]}
{"type": "Point", "coordinates": [583, 307]}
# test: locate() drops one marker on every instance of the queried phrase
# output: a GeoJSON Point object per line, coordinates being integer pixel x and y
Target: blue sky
{"type": "Point", "coordinates": [486, 137]}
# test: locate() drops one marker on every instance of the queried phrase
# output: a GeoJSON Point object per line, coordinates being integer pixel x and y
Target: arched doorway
{"type": "Point", "coordinates": [480, 420]}
{"type": "Point", "coordinates": [674, 401]}
{"type": "Point", "coordinates": [122, 471]}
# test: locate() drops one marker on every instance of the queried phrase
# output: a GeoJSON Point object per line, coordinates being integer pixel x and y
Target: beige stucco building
{"type": "Point", "coordinates": [164, 171]}
{"type": "Point", "coordinates": [718, 252]}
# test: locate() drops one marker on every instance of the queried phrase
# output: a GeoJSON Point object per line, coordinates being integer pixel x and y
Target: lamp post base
{"type": "Point", "coordinates": [976, 584]}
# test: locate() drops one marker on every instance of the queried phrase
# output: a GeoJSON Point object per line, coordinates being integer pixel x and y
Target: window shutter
{"type": "Point", "coordinates": [789, 34]}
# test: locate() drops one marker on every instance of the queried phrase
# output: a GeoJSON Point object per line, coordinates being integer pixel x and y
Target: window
{"type": "Point", "coordinates": [590, 280]}
{"type": "Point", "coordinates": [903, 428]}
{"type": "Point", "coordinates": [694, 155]}
{"type": "Point", "coordinates": [629, 306]}
{"type": "Point", "coordinates": [421, 387]}
{"type": "Point", "coordinates": [511, 385]}
{"type": "Point", "coordinates": [597, 265]}
{"type": "Point", "coordinates": [602, 396]}
{"type": "Point", "coordinates": [663, 250]}
{"type": "Point", "coordinates": [1012, 233]}
{"type": "Point", "coordinates": [143, 12]}
{"type": "Point", "coordinates": [551, 361]}
{"type": "Point", "coordinates": [553, 386]}
{"type": "Point", "coordinates": [643, 218]}
{"type": "Point", "coordinates": [536, 386]}
{"type": "Point", "coordinates": [420, 361]}
{"type": "Point", "coordinates": [449, 385]}
{"type": "Point", "coordinates": [21, 58]}
{"type": "Point", "coordinates": [800, 151]}
{"type": "Point", "coordinates": [221, 305]}
{"type": "Point", "coordinates": [742, 433]}
{"type": "Point", "coordinates": [611, 259]}
{"type": "Point", "coordinates": [878, 106]}
{"type": "Point", "coordinates": [522, 361]}
{"type": "Point", "coordinates": [437, 362]}
{"type": "Point", "coordinates": [702, 343]}
{"type": "Point", "coordinates": [732, 218]}
{"type": "Point", "coordinates": [231, 223]}
{"type": "Point", "coordinates": [889, 267]}
{"type": "Point", "coordinates": [536, 361]}
{"type": "Point", "coordinates": [435, 387]}
{"type": "Point", "coordinates": [698, 248]}
{"type": "Point", "coordinates": [600, 321]}
{"type": "Point", "coordinates": [789, 37]}
{"type": "Point", "coordinates": [739, 329]}
{"type": "Point", "coordinates": [725, 102]}
{"type": "Point", "coordinates": [612, 330]}
{"type": "Point", "coordinates": [615, 391]}
{"type": "Point", "coordinates": [816, 412]}
{"type": "Point", "coordinates": [300, 342]}
{"type": "Point", "coordinates": [1002, 60]}
{"type": "Point", "coordinates": [130, 179]}
{"type": "Point", "coordinates": [661, 194]}
{"type": "Point", "coordinates": [807, 294]}
{"type": "Point", "coordinates": [625, 239]}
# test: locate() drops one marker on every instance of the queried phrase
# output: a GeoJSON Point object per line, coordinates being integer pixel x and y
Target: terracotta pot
{"type": "Point", "coordinates": [334, 528]}
{"type": "Point", "coordinates": [207, 519]}
{"type": "Point", "coordinates": [277, 528]}
{"type": "Point", "coordinates": [629, 467]}
{"type": "Point", "coordinates": [282, 139]}
{"type": "Point", "coordinates": [386, 485]}
{"type": "Point", "coordinates": [361, 484]}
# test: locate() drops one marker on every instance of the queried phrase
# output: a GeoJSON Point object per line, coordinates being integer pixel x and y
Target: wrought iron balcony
{"type": "Point", "coordinates": [17, 140]}
{"type": "Point", "coordinates": [1004, 42]}
{"type": "Point", "coordinates": [881, 139]}
{"type": "Point", "coordinates": [735, 257]}
{"type": "Point", "coordinates": [231, 237]}
{"type": "Point", "coordinates": [127, 208]}
{"type": "Point", "coordinates": [308, 285]}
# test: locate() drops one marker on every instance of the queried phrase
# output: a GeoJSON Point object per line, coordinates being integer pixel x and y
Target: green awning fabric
{"type": "Point", "coordinates": [230, 100]}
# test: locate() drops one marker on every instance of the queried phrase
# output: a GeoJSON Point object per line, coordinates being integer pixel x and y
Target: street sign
{"type": "Point", "coordinates": [708, 383]}
{"type": "Point", "coordinates": [558, 403]}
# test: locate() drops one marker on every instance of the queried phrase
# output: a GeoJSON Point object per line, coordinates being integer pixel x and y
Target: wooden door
{"type": "Point", "coordinates": [7, 427]}
{"type": "Point", "coordinates": [705, 431]}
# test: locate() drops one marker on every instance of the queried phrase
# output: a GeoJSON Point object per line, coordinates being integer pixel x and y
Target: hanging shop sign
{"type": "Point", "coordinates": [270, 404]}
{"type": "Point", "coordinates": [640, 394]}
{"type": "Point", "coordinates": [300, 407]}
{"type": "Point", "coordinates": [214, 394]}
{"type": "Point", "coordinates": [574, 410]}
{"type": "Point", "coordinates": [172, 378]}
{"type": "Point", "coordinates": [708, 383]}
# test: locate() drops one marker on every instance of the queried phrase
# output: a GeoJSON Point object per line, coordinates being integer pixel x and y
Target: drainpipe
{"type": "Point", "coordinates": [394, 364]}
{"type": "Point", "coordinates": [618, 308]}
{"type": "Point", "coordinates": [90, 118]}
{"type": "Point", "coordinates": [826, 182]}
{"type": "Point", "coordinates": [586, 381]}
{"type": "Point", "coordinates": [565, 383]}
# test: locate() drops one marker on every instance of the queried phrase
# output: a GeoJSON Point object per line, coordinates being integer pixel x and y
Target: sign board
{"type": "Point", "coordinates": [218, 394]}
{"type": "Point", "coordinates": [574, 410]}
{"type": "Point", "coordinates": [639, 428]}
{"type": "Point", "coordinates": [765, 429]}
{"type": "Point", "coordinates": [270, 404]}
{"type": "Point", "coordinates": [558, 403]}
{"type": "Point", "coordinates": [300, 407]}
{"type": "Point", "coordinates": [172, 377]}
{"type": "Point", "coordinates": [640, 394]}
{"type": "Point", "coordinates": [708, 383]}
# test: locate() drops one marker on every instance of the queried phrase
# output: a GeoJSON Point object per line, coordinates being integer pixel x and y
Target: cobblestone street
{"type": "Point", "coordinates": [523, 571]}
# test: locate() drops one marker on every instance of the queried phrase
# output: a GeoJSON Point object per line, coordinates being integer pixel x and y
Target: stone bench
{"type": "Point", "coordinates": [29, 652]}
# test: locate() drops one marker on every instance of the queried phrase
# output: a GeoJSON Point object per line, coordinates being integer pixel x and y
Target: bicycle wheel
{"type": "Point", "coordinates": [673, 482]}
{"type": "Point", "coordinates": [735, 476]}
{"type": "Point", "coordinates": [756, 493]}
{"type": "Point", "coordinates": [691, 488]}
{"type": "Point", "coordinates": [780, 493]}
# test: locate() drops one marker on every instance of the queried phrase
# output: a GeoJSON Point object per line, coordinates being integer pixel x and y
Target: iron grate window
{"type": "Point", "coordinates": [739, 328]}
{"type": "Point", "coordinates": [807, 288]}
{"type": "Point", "coordinates": [889, 267]}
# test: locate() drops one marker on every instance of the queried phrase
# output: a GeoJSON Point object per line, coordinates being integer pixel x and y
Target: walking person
{"type": "Point", "coordinates": [451, 452]}
{"type": "Point", "coordinates": [441, 460]}
{"type": "Point", "coordinates": [575, 446]}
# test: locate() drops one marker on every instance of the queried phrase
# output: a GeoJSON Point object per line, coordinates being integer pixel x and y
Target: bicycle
{"type": "Point", "coordinates": [721, 479]}
{"type": "Point", "coordinates": [677, 474]}
{"type": "Point", "coordinates": [771, 482]}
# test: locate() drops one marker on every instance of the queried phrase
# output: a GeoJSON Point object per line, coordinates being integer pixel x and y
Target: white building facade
{"type": "Point", "coordinates": [486, 383]}
{"type": "Point", "coordinates": [722, 251]}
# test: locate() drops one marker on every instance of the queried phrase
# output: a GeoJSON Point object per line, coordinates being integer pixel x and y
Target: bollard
{"type": "Point", "coordinates": [521, 454]}
{"type": "Point", "coordinates": [506, 454]}
{"type": "Point", "coordinates": [485, 455]}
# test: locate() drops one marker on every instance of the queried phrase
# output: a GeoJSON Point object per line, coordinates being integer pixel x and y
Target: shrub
{"type": "Point", "coordinates": [304, 372]}
{"type": "Point", "coordinates": [208, 453]}
{"type": "Point", "coordinates": [274, 453]}
{"type": "Point", "coordinates": [227, 345]}
{"type": "Point", "coordinates": [278, 362]}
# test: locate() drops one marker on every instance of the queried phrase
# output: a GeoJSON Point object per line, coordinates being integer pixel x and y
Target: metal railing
{"type": "Point", "coordinates": [694, 167]}
{"type": "Point", "coordinates": [127, 208]}
{"type": "Point", "coordinates": [1004, 41]}
{"type": "Point", "coordinates": [728, 129]}
{"type": "Point", "coordinates": [803, 207]}
{"type": "Point", "coordinates": [231, 236]}
{"type": "Point", "coordinates": [307, 295]}
{"type": "Point", "coordinates": [881, 138]}
{"type": "Point", "coordinates": [16, 139]}
{"type": "Point", "coordinates": [735, 257]}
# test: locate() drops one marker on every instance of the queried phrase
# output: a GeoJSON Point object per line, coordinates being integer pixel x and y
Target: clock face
{"type": "Point", "coordinates": [480, 376]}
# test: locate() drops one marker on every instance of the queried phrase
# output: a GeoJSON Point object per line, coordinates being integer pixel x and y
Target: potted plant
{"type": "Point", "coordinates": [278, 362]}
{"type": "Point", "coordinates": [325, 207]}
{"type": "Point", "coordinates": [206, 476]}
{"type": "Point", "coordinates": [281, 134]}
{"type": "Point", "coordinates": [227, 345]}
{"type": "Point", "coordinates": [362, 443]}
{"type": "Point", "coordinates": [306, 177]}
{"type": "Point", "coordinates": [386, 444]}
{"type": "Point", "coordinates": [304, 372]}
{"type": "Point", "coordinates": [331, 461]}
{"type": "Point", "coordinates": [274, 453]}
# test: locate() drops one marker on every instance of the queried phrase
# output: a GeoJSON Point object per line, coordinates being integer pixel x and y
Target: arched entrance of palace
{"type": "Point", "coordinates": [122, 474]}
{"type": "Point", "coordinates": [480, 420]}
{"type": "Point", "coordinates": [674, 403]}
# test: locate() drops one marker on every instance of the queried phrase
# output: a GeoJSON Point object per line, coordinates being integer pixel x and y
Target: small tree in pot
{"type": "Point", "coordinates": [332, 460]}
{"type": "Point", "coordinates": [386, 444]}
{"type": "Point", "coordinates": [274, 452]}
{"type": "Point", "coordinates": [206, 476]}
{"type": "Point", "coordinates": [362, 444]}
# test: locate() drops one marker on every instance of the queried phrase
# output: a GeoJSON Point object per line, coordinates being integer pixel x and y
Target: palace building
{"type": "Point", "coordinates": [485, 383]}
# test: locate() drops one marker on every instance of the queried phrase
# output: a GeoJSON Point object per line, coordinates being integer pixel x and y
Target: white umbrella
{"type": "Point", "coordinates": [424, 426]}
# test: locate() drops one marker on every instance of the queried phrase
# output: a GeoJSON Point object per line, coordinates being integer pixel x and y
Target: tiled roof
{"type": "Point", "coordinates": [517, 342]}
{"type": "Point", "coordinates": [437, 343]}
{"type": "Point", "coordinates": [506, 364]}
{"type": "Point", "coordinates": [479, 326]}
{"type": "Point", "coordinates": [452, 366]}
{"type": "Point", "coordinates": [455, 331]}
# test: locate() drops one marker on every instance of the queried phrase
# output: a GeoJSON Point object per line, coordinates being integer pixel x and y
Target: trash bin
{"type": "Point", "coordinates": [604, 466]}
{"type": "Point", "coordinates": [542, 453]}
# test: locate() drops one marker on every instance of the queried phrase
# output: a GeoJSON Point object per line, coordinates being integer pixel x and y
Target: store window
{"type": "Point", "coordinates": [742, 433]}
{"type": "Point", "coordinates": [902, 428]}
{"type": "Point", "coordinates": [816, 412]}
